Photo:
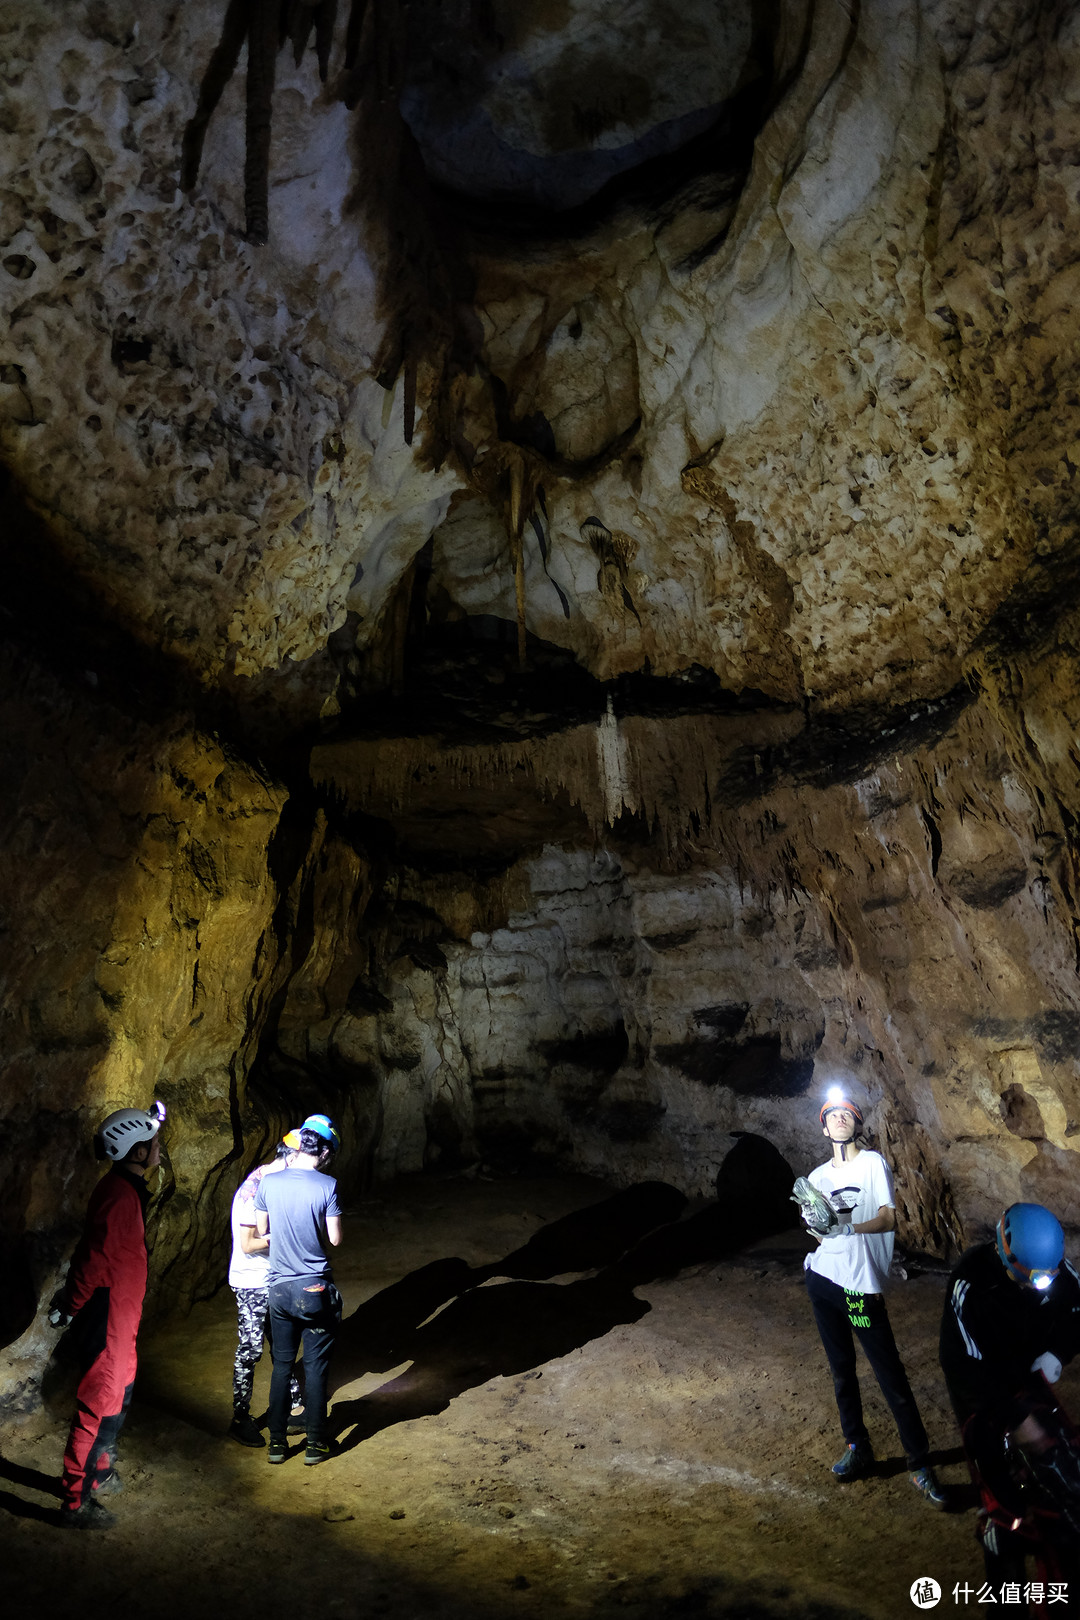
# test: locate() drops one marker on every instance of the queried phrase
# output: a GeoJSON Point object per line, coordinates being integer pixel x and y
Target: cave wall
{"type": "Point", "coordinates": [156, 897]}
{"type": "Point", "coordinates": [138, 949]}
{"type": "Point", "coordinates": [914, 925]}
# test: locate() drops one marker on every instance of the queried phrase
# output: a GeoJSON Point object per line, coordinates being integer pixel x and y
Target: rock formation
{"type": "Point", "coordinates": [541, 602]}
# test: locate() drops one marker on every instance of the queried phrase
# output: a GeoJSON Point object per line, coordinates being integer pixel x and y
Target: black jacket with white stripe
{"type": "Point", "coordinates": [992, 1330]}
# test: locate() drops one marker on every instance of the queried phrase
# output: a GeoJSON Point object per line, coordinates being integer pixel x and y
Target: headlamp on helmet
{"type": "Point", "coordinates": [1030, 1245]}
{"type": "Point", "coordinates": [835, 1097]}
{"type": "Point", "coordinates": [126, 1128]}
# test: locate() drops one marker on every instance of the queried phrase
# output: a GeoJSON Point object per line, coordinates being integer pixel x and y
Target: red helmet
{"type": "Point", "coordinates": [837, 1099]}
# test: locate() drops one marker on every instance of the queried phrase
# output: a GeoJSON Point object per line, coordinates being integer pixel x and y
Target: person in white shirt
{"type": "Point", "coordinates": [846, 1278]}
{"type": "Point", "coordinates": [248, 1273]}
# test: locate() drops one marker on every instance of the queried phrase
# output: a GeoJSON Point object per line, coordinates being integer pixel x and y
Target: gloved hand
{"type": "Point", "coordinates": [60, 1315]}
{"type": "Point", "coordinates": [1049, 1365]}
{"type": "Point", "coordinates": [817, 1213]}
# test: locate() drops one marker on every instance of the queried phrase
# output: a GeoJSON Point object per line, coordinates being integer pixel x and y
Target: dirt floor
{"type": "Point", "coordinates": [554, 1447]}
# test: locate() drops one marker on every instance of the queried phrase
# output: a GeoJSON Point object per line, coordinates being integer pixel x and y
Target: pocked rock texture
{"type": "Point", "coordinates": [815, 401]}
{"type": "Point", "coordinates": [780, 407]}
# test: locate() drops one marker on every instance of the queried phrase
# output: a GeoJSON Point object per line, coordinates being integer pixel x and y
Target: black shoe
{"type": "Point", "coordinates": [279, 1450]}
{"type": "Point", "coordinates": [856, 1463]}
{"type": "Point", "coordinates": [245, 1429]}
{"type": "Point", "coordinates": [317, 1452]}
{"type": "Point", "coordinates": [91, 1516]}
{"type": "Point", "coordinates": [109, 1485]}
{"type": "Point", "coordinates": [297, 1421]}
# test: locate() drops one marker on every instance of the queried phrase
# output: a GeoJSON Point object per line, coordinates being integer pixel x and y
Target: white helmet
{"type": "Point", "coordinates": [127, 1127]}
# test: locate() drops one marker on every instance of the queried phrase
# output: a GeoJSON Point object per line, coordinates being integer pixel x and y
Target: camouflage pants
{"type": "Point", "coordinates": [252, 1305]}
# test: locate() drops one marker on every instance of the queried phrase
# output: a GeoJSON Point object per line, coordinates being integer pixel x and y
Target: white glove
{"type": "Point", "coordinates": [1049, 1365]}
{"type": "Point", "coordinates": [846, 1230]}
{"type": "Point", "coordinates": [61, 1317]}
{"type": "Point", "coordinates": [817, 1213]}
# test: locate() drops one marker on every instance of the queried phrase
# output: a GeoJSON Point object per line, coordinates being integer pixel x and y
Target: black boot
{"type": "Point", "coordinates": [245, 1429]}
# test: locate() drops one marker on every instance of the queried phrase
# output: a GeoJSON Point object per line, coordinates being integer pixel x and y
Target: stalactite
{"type": "Point", "coordinates": [265, 27]}
{"type": "Point", "coordinates": [392, 193]}
{"type": "Point", "coordinates": [304, 15]}
{"type": "Point", "coordinates": [408, 407]}
{"type": "Point", "coordinates": [517, 550]}
{"type": "Point", "coordinates": [614, 552]}
{"type": "Point", "coordinates": [220, 70]}
{"type": "Point", "coordinates": [262, 52]}
{"type": "Point", "coordinates": [664, 771]}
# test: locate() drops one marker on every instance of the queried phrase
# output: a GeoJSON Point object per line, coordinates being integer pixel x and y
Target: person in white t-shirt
{"type": "Point", "coordinates": [846, 1278]}
{"type": "Point", "coordinates": [248, 1271]}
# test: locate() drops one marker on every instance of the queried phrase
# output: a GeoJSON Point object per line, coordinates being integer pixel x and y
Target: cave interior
{"type": "Point", "coordinates": [540, 619]}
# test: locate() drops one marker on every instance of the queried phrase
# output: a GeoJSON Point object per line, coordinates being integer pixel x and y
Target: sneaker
{"type": "Point", "coordinates": [926, 1483]}
{"type": "Point", "coordinates": [279, 1450]}
{"type": "Point", "coordinates": [91, 1516]}
{"type": "Point", "coordinates": [317, 1452]}
{"type": "Point", "coordinates": [245, 1429]}
{"type": "Point", "coordinates": [109, 1484]}
{"type": "Point", "coordinates": [297, 1422]}
{"type": "Point", "coordinates": [856, 1463]}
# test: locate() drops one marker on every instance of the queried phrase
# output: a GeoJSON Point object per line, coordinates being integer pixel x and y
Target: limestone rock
{"type": "Point", "coordinates": [820, 397]}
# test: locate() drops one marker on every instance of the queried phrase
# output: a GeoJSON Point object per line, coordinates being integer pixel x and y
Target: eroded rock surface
{"type": "Point", "coordinates": [821, 403]}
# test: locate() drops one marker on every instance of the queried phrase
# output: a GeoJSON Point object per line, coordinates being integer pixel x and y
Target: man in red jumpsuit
{"type": "Point", "coordinates": [103, 1299]}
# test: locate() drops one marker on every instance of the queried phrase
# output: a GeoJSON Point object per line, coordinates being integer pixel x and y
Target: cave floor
{"type": "Point", "coordinates": [539, 1452]}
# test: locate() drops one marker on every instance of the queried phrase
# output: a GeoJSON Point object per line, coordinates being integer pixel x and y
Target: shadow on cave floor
{"type": "Point", "coordinates": [547, 1446]}
{"type": "Point", "coordinates": [458, 1333]}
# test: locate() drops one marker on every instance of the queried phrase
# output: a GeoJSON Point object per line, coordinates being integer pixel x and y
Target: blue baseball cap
{"type": "Point", "coordinates": [322, 1126]}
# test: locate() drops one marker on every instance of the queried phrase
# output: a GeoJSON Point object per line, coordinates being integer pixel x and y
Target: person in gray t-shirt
{"type": "Point", "coordinates": [299, 1207]}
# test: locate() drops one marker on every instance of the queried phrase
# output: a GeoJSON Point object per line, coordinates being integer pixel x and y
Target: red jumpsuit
{"type": "Point", "coordinates": [104, 1292]}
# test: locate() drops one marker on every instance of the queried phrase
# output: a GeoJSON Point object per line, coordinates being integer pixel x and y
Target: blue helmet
{"type": "Point", "coordinates": [322, 1126]}
{"type": "Point", "coordinates": [1030, 1244]}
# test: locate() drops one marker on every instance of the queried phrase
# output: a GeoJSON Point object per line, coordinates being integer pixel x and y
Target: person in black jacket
{"type": "Point", "coordinates": [1012, 1317]}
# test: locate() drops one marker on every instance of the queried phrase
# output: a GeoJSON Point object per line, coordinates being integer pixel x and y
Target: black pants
{"type": "Point", "coordinates": [840, 1317]}
{"type": "Point", "coordinates": [306, 1311]}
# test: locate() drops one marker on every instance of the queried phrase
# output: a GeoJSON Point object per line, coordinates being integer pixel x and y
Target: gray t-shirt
{"type": "Point", "coordinates": [297, 1203]}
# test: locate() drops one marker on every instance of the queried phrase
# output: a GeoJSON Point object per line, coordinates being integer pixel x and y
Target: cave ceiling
{"type": "Point", "coordinates": [721, 351]}
{"type": "Point", "coordinates": [563, 417]}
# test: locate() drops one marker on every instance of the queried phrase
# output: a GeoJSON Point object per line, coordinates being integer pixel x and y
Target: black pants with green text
{"type": "Point", "coordinates": [842, 1317]}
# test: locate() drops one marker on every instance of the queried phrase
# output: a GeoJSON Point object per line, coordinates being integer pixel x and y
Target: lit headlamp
{"type": "Point", "coordinates": [836, 1098]}
{"type": "Point", "coordinates": [1038, 1277]}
